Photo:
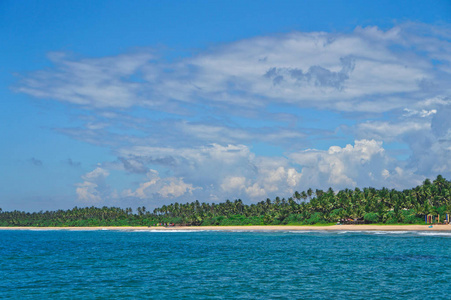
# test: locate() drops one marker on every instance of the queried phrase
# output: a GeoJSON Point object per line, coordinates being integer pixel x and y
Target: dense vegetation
{"type": "Point", "coordinates": [308, 207]}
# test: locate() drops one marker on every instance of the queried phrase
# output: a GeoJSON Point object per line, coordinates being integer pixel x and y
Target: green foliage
{"type": "Point", "coordinates": [294, 219]}
{"type": "Point", "coordinates": [337, 214]}
{"type": "Point", "coordinates": [268, 219]}
{"type": "Point", "coordinates": [306, 207]}
{"type": "Point", "coordinates": [389, 218]}
{"type": "Point", "coordinates": [413, 219]}
{"type": "Point", "coordinates": [316, 218]}
{"type": "Point", "coordinates": [372, 217]}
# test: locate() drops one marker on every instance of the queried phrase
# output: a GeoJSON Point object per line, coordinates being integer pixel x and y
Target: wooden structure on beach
{"type": "Point", "coordinates": [432, 219]}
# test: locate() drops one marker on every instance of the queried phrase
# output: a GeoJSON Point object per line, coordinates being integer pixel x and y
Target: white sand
{"type": "Point", "coordinates": [256, 228]}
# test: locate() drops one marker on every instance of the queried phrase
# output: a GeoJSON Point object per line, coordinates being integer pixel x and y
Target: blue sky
{"type": "Point", "coordinates": [151, 102]}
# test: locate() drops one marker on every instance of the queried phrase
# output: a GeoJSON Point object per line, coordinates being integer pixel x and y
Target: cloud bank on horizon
{"type": "Point", "coordinates": [259, 117]}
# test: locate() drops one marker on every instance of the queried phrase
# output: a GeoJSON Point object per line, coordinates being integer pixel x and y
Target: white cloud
{"type": "Point", "coordinates": [324, 70]}
{"type": "Point", "coordinates": [233, 183]}
{"type": "Point", "coordinates": [305, 69]}
{"type": "Point", "coordinates": [219, 133]}
{"type": "Point", "coordinates": [91, 82]}
{"type": "Point", "coordinates": [175, 188]}
{"type": "Point", "coordinates": [364, 164]}
{"type": "Point", "coordinates": [160, 187]}
{"type": "Point", "coordinates": [216, 173]}
{"type": "Point", "coordinates": [390, 131]}
{"type": "Point", "coordinates": [201, 164]}
{"type": "Point", "coordinates": [256, 192]}
{"type": "Point", "coordinates": [94, 189]}
{"type": "Point", "coordinates": [97, 173]}
{"type": "Point", "coordinates": [425, 129]}
{"type": "Point", "coordinates": [434, 101]}
{"type": "Point", "coordinates": [203, 113]}
{"type": "Point", "coordinates": [276, 178]}
{"type": "Point", "coordinates": [87, 192]}
{"type": "Point", "coordinates": [267, 181]}
{"type": "Point", "coordinates": [224, 171]}
{"type": "Point", "coordinates": [431, 149]}
{"type": "Point", "coordinates": [421, 113]}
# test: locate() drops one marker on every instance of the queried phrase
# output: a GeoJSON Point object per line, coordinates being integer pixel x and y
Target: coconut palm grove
{"type": "Point", "coordinates": [367, 205]}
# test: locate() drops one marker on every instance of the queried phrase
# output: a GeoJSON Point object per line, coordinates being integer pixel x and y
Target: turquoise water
{"type": "Point", "coordinates": [224, 265]}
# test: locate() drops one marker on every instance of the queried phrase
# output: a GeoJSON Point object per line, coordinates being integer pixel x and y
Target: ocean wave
{"type": "Point", "coordinates": [434, 233]}
{"type": "Point", "coordinates": [166, 230]}
{"type": "Point", "coordinates": [43, 229]}
{"type": "Point", "coordinates": [382, 232]}
{"type": "Point", "coordinates": [242, 230]}
{"type": "Point", "coordinates": [349, 231]}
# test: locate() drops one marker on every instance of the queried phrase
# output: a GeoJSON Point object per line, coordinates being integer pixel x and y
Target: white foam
{"type": "Point", "coordinates": [242, 230]}
{"type": "Point", "coordinates": [169, 230]}
{"type": "Point", "coordinates": [388, 232]}
{"type": "Point", "coordinates": [350, 231]}
{"type": "Point", "coordinates": [434, 233]}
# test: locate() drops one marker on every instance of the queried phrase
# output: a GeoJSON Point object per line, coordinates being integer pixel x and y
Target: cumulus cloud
{"type": "Point", "coordinates": [432, 148]}
{"type": "Point", "coordinates": [235, 170]}
{"type": "Point", "coordinates": [424, 128]}
{"type": "Point", "coordinates": [233, 183]}
{"type": "Point", "coordinates": [231, 171]}
{"type": "Point", "coordinates": [202, 165]}
{"type": "Point", "coordinates": [160, 187]}
{"type": "Point", "coordinates": [267, 181]}
{"type": "Point", "coordinates": [93, 189]}
{"type": "Point", "coordinates": [216, 173]}
{"type": "Point", "coordinates": [219, 172]}
{"type": "Point", "coordinates": [363, 164]}
{"type": "Point", "coordinates": [88, 192]}
{"type": "Point", "coordinates": [97, 173]}
{"type": "Point", "coordinates": [200, 115]}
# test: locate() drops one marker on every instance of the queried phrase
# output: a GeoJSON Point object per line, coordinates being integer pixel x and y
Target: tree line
{"type": "Point", "coordinates": [368, 205]}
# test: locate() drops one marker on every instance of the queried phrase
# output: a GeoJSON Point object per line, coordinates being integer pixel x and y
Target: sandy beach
{"type": "Point", "coordinates": [254, 228]}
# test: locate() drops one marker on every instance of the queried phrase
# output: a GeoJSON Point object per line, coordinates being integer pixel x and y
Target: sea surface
{"type": "Point", "coordinates": [39, 264]}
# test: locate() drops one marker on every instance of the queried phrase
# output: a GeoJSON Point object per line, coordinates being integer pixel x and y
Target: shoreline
{"type": "Point", "coordinates": [251, 228]}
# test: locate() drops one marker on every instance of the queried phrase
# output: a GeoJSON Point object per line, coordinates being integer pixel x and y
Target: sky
{"type": "Point", "coordinates": [146, 103]}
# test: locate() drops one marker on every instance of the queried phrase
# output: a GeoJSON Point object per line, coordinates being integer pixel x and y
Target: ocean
{"type": "Point", "coordinates": [46, 264]}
